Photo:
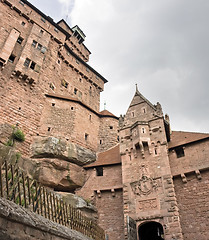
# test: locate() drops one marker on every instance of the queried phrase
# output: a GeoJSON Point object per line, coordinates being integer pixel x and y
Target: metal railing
{"type": "Point", "coordinates": [16, 186]}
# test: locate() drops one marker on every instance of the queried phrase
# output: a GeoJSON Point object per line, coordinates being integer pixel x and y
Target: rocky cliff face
{"type": "Point", "coordinates": [54, 163]}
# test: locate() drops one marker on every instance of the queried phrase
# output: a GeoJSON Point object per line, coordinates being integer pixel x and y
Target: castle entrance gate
{"type": "Point", "coordinates": [151, 231]}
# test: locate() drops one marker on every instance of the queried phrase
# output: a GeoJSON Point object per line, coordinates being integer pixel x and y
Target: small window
{"type": "Point", "coordinates": [100, 142]}
{"type": "Point", "coordinates": [86, 136]}
{"type": "Point", "coordinates": [75, 91]}
{"type": "Point", "coordinates": [43, 50]}
{"type": "Point", "coordinates": [90, 117]}
{"type": "Point", "coordinates": [99, 171]}
{"type": "Point", "coordinates": [143, 130]}
{"type": "Point", "coordinates": [179, 152]}
{"type": "Point", "coordinates": [43, 20]}
{"type": "Point", "coordinates": [77, 61]}
{"type": "Point", "coordinates": [144, 110]}
{"type": "Point", "coordinates": [53, 104]}
{"type": "Point", "coordinates": [72, 108]}
{"type": "Point", "coordinates": [11, 58]}
{"type": "Point", "coordinates": [27, 62]}
{"type": "Point", "coordinates": [87, 69]}
{"type": "Point", "coordinates": [49, 129]}
{"type": "Point", "coordinates": [32, 66]}
{"type": "Point", "coordinates": [111, 127]}
{"type": "Point", "coordinates": [39, 47]}
{"type": "Point", "coordinates": [22, 3]}
{"type": "Point", "coordinates": [56, 30]}
{"type": "Point", "coordinates": [132, 114]}
{"type": "Point", "coordinates": [34, 43]}
{"type": "Point", "coordinates": [20, 40]}
{"type": "Point", "coordinates": [41, 31]}
{"type": "Point", "coordinates": [23, 23]}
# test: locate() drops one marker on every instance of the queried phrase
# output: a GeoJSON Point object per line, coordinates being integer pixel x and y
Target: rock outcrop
{"type": "Point", "coordinates": [51, 147]}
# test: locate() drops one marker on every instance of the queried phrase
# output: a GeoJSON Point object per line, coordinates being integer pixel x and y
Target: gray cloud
{"type": "Point", "coordinates": [161, 45]}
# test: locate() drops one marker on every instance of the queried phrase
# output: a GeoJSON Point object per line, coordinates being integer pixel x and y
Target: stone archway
{"type": "Point", "coordinates": [151, 231]}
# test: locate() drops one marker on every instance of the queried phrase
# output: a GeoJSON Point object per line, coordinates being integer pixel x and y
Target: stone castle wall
{"type": "Point", "coordinates": [193, 202]}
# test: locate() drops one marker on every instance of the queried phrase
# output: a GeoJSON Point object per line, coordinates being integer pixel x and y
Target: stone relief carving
{"type": "Point", "coordinates": [145, 185]}
{"type": "Point", "coordinates": [147, 204]}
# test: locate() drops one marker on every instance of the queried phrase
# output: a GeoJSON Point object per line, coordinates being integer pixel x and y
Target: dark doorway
{"type": "Point", "coordinates": [151, 231]}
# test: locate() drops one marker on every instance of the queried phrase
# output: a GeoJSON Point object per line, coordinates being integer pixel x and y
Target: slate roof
{"type": "Point", "coordinates": [179, 138]}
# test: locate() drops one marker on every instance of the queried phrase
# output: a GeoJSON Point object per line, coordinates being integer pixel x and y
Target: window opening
{"type": "Point", "coordinates": [49, 129]}
{"type": "Point", "coordinates": [100, 142]}
{"type": "Point", "coordinates": [75, 91]}
{"type": "Point", "coordinates": [111, 127]}
{"type": "Point", "coordinates": [155, 151]}
{"type": "Point", "coordinates": [23, 23]}
{"type": "Point", "coordinates": [86, 136]}
{"type": "Point", "coordinates": [89, 117]}
{"type": "Point", "coordinates": [32, 66]}
{"type": "Point", "coordinates": [132, 114]}
{"type": "Point", "coordinates": [143, 130]}
{"type": "Point", "coordinates": [137, 146]}
{"type": "Point", "coordinates": [11, 58]}
{"type": "Point", "coordinates": [71, 108]}
{"type": "Point", "coordinates": [39, 47]}
{"type": "Point", "coordinates": [20, 40]}
{"type": "Point", "coordinates": [34, 43]}
{"type": "Point", "coordinates": [56, 30]}
{"type": "Point", "coordinates": [145, 146]}
{"type": "Point", "coordinates": [179, 152]}
{"type": "Point", "coordinates": [22, 3]}
{"type": "Point", "coordinates": [41, 31]}
{"type": "Point", "coordinates": [51, 85]}
{"type": "Point", "coordinates": [99, 171]}
{"type": "Point", "coordinates": [53, 104]}
{"type": "Point", "coordinates": [43, 20]}
{"type": "Point", "coordinates": [27, 62]}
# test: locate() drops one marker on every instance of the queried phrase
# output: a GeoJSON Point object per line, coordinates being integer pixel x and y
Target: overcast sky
{"type": "Point", "coordinates": [162, 45]}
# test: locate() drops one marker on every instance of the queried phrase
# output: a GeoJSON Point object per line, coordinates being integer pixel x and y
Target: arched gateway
{"type": "Point", "coordinates": [151, 231]}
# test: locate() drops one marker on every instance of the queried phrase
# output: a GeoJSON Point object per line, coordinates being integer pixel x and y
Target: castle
{"type": "Point", "coordinates": [146, 181]}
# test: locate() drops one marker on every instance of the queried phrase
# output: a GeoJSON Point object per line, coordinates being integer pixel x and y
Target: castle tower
{"type": "Point", "coordinates": [150, 207]}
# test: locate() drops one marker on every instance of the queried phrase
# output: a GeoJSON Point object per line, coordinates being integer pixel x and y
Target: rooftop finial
{"type": "Point", "coordinates": [105, 105]}
{"type": "Point", "coordinates": [136, 88]}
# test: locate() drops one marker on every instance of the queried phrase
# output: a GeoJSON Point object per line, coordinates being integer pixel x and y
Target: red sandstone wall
{"type": "Point", "coordinates": [110, 214]}
{"type": "Point", "coordinates": [193, 203]}
{"type": "Point", "coordinates": [196, 155]}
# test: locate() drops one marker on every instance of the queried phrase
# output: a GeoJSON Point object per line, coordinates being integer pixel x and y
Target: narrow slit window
{"type": "Point", "coordinates": [86, 136]}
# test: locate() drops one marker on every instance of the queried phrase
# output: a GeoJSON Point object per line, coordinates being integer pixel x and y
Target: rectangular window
{"type": "Point", "coordinates": [20, 40]}
{"type": "Point", "coordinates": [99, 171]}
{"type": "Point", "coordinates": [43, 20]}
{"type": "Point", "coordinates": [22, 3]}
{"type": "Point", "coordinates": [75, 91]}
{"type": "Point", "coordinates": [56, 30]}
{"type": "Point", "coordinates": [27, 62]}
{"type": "Point", "coordinates": [179, 152]}
{"type": "Point", "coordinates": [32, 66]}
{"type": "Point", "coordinates": [34, 43]}
{"type": "Point", "coordinates": [39, 47]}
{"type": "Point", "coordinates": [23, 23]}
{"type": "Point", "coordinates": [11, 58]}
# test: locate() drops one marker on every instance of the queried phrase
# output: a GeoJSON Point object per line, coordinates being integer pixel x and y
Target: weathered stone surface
{"type": "Point", "coordinates": [7, 153]}
{"type": "Point", "coordinates": [6, 131]}
{"type": "Point", "coordinates": [17, 223]}
{"type": "Point", "coordinates": [85, 206]}
{"type": "Point", "coordinates": [58, 148]}
{"type": "Point", "coordinates": [54, 173]}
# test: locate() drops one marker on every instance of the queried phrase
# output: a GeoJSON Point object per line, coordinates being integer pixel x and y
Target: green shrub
{"type": "Point", "coordinates": [19, 135]}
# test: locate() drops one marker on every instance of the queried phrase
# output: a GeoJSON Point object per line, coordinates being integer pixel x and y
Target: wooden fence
{"type": "Point", "coordinates": [17, 187]}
